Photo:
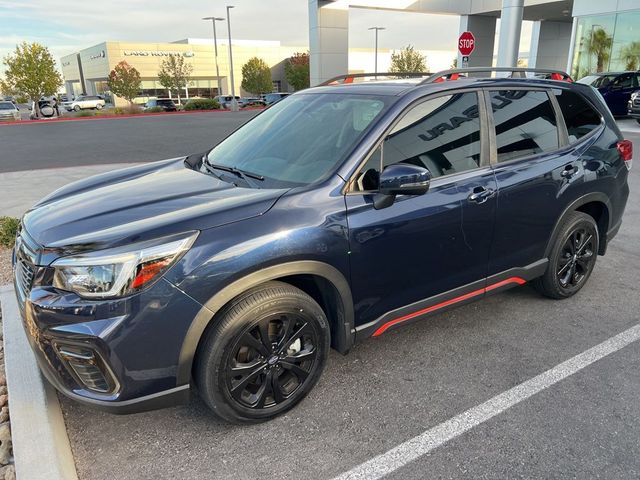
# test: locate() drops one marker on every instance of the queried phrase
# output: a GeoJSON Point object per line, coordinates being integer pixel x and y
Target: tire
{"type": "Point", "coordinates": [572, 257]}
{"type": "Point", "coordinates": [638, 120]}
{"type": "Point", "coordinates": [99, 106]}
{"type": "Point", "coordinates": [271, 376]}
{"type": "Point", "coordinates": [76, 108]}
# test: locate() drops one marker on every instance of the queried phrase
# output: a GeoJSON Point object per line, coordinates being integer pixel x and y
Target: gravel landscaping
{"type": "Point", "coordinates": [7, 470]}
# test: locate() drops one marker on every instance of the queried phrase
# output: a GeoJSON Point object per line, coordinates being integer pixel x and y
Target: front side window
{"type": "Point", "coordinates": [525, 123]}
{"type": "Point", "coordinates": [579, 116]}
{"type": "Point", "coordinates": [300, 140]}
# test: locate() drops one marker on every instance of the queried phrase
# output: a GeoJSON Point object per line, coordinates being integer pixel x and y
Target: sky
{"type": "Point", "coordinates": [66, 26]}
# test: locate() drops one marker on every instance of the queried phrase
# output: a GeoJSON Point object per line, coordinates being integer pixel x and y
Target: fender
{"type": "Point", "coordinates": [589, 197]}
{"type": "Point", "coordinates": [346, 334]}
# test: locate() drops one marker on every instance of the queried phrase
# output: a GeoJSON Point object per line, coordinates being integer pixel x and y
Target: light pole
{"type": "Point", "coordinates": [375, 70]}
{"type": "Point", "coordinates": [234, 102]}
{"type": "Point", "coordinates": [215, 47]}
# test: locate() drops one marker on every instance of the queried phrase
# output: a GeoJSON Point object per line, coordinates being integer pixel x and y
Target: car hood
{"type": "Point", "coordinates": [139, 203]}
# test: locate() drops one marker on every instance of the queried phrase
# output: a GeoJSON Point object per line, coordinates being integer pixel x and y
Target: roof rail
{"type": "Point", "coordinates": [349, 77]}
{"type": "Point", "coordinates": [515, 72]}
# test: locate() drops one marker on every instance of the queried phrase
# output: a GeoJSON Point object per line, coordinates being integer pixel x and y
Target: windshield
{"type": "Point", "coordinates": [597, 81]}
{"type": "Point", "coordinates": [300, 139]}
{"type": "Point", "coordinates": [6, 106]}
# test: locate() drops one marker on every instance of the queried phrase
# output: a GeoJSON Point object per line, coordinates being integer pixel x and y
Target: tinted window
{"type": "Point", "coordinates": [579, 116]}
{"type": "Point", "coordinates": [442, 134]}
{"type": "Point", "coordinates": [168, 103]}
{"type": "Point", "coordinates": [624, 81]}
{"type": "Point", "coordinates": [525, 123]}
{"type": "Point", "coordinates": [6, 106]}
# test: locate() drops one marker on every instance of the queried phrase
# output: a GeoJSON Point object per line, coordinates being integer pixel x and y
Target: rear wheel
{"type": "Point", "coordinates": [572, 258]}
{"type": "Point", "coordinates": [99, 106]}
{"type": "Point", "coordinates": [264, 354]}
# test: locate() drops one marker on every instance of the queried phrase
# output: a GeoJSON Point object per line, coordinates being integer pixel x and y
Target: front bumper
{"type": "Point", "coordinates": [134, 343]}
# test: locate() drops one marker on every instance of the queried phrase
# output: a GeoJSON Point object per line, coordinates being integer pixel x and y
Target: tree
{"type": "Point", "coordinates": [31, 71]}
{"type": "Point", "coordinates": [599, 44]}
{"type": "Point", "coordinates": [124, 81]}
{"type": "Point", "coordinates": [256, 76]}
{"type": "Point", "coordinates": [174, 73]}
{"type": "Point", "coordinates": [631, 56]}
{"type": "Point", "coordinates": [407, 61]}
{"type": "Point", "coordinates": [296, 71]}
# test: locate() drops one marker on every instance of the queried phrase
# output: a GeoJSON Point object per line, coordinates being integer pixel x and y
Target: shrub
{"type": "Point", "coordinates": [154, 110]}
{"type": "Point", "coordinates": [85, 113]}
{"type": "Point", "coordinates": [202, 104]}
{"type": "Point", "coordinates": [8, 231]}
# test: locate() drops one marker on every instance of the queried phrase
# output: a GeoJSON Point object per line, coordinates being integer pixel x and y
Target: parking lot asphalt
{"type": "Point", "coordinates": [54, 143]}
{"type": "Point", "coordinates": [392, 388]}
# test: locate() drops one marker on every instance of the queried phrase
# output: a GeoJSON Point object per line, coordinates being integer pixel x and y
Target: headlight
{"type": "Point", "coordinates": [119, 271]}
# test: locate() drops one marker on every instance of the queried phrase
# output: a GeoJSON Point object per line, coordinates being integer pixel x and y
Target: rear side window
{"type": "Point", "coordinates": [525, 123]}
{"type": "Point", "coordinates": [579, 116]}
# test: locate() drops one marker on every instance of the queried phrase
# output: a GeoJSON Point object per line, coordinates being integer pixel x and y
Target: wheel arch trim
{"type": "Point", "coordinates": [229, 292]}
{"type": "Point", "coordinates": [573, 206]}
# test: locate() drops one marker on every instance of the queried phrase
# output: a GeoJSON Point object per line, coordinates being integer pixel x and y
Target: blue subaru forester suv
{"type": "Point", "coordinates": [337, 214]}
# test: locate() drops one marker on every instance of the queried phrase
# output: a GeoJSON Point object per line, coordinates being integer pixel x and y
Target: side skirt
{"type": "Point", "coordinates": [458, 296]}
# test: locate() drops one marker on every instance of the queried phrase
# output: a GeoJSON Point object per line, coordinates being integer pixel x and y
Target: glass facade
{"type": "Point", "coordinates": [607, 43]}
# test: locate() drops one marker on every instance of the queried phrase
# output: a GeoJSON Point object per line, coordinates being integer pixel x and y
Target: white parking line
{"type": "Point", "coordinates": [431, 439]}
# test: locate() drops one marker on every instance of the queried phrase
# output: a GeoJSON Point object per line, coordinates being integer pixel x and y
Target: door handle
{"type": "Point", "coordinates": [569, 171]}
{"type": "Point", "coordinates": [481, 194]}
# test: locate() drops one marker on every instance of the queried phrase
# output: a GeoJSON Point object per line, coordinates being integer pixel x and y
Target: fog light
{"type": "Point", "coordinates": [88, 368]}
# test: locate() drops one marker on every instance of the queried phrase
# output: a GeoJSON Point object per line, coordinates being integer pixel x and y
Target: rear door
{"type": "Point", "coordinates": [537, 172]}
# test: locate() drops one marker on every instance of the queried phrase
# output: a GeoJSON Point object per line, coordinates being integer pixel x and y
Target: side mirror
{"type": "Point", "coordinates": [401, 179]}
{"type": "Point", "coordinates": [404, 179]}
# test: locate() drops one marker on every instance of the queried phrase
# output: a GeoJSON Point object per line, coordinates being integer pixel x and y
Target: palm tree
{"type": "Point", "coordinates": [631, 55]}
{"type": "Point", "coordinates": [599, 44]}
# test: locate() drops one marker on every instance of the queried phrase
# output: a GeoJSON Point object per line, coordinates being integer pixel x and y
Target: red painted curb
{"type": "Point", "coordinates": [44, 121]}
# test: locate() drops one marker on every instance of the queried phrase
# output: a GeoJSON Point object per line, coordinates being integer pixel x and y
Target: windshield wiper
{"type": "Point", "coordinates": [243, 174]}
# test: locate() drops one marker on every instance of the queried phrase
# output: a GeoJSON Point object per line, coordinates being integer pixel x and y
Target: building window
{"type": "Point", "coordinates": [606, 43]}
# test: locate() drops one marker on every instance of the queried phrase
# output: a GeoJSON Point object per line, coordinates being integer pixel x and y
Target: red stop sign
{"type": "Point", "coordinates": [466, 43]}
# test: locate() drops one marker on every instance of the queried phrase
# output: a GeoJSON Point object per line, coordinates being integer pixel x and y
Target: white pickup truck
{"type": "Point", "coordinates": [84, 101]}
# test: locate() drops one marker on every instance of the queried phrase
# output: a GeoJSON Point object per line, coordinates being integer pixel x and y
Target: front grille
{"type": "Point", "coordinates": [25, 270]}
{"type": "Point", "coordinates": [636, 102]}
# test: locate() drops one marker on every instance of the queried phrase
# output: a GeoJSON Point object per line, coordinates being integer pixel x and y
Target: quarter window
{"type": "Point", "coordinates": [579, 116]}
{"type": "Point", "coordinates": [525, 123]}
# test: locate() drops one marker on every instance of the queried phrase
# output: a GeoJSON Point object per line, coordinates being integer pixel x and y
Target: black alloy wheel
{"type": "Point", "coordinates": [263, 353]}
{"type": "Point", "coordinates": [576, 258]}
{"type": "Point", "coordinates": [572, 257]}
{"type": "Point", "coordinates": [271, 360]}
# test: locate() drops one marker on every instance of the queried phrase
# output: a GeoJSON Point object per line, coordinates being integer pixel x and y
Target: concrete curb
{"type": "Point", "coordinates": [41, 446]}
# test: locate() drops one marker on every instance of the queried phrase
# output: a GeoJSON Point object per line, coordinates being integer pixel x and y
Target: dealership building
{"type": "Point", "coordinates": [87, 70]}
{"type": "Point", "coordinates": [561, 37]}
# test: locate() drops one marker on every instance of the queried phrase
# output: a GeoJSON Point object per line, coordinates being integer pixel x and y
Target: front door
{"type": "Point", "coordinates": [428, 251]}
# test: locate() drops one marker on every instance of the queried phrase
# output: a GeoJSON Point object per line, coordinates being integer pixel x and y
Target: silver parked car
{"type": "Point", "coordinates": [84, 101]}
{"type": "Point", "coordinates": [8, 111]}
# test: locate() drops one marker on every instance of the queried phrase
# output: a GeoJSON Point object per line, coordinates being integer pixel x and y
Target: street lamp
{"type": "Point", "coordinates": [234, 102]}
{"type": "Point", "coordinates": [215, 47]}
{"type": "Point", "coordinates": [376, 57]}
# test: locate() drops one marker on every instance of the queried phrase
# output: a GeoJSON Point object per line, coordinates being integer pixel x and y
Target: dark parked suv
{"type": "Point", "coordinates": [616, 88]}
{"type": "Point", "coordinates": [337, 214]}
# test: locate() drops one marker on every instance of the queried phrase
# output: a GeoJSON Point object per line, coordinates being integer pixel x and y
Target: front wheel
{"type": "Point", "coordinates": [264, 354]}
{"type": "Point", "coordinates": [99, 106]}
{"type": "Point", "coordinates": [572, 258]}
{"type": "Point", "coordinates": [76, 108]}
